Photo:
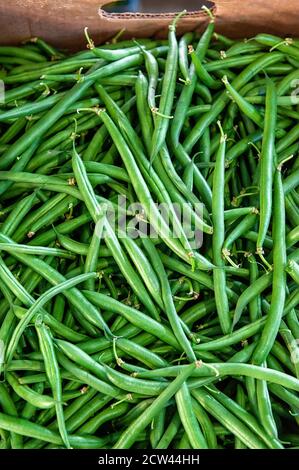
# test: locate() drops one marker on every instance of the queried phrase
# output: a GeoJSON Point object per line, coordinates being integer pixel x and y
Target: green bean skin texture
{"type": "Point", "coordinates": [191, 426]}
{"type": "Point", "coordinates": [35, 308]}
{"type": "Point", "coordinates": [218, 239]}
{"type": "Point", "coordinates": [40, 401]}
{"type": "Point", "coordinates": [53, 374]}
{"type": "Point", "coordinates": [9, 407]}
{"type": "Point", "coordinates": [246, 75]}
{"type": "Point", "coordinates": [134, 316]}
{"type": "Point", "coordinates": [129, 436]}
{"type": "Point", "coordinates": [267, 163]}
{"type": "Point", "coordinates": [92, 314]}
{"type": "Point", "coordinates": [228, 419]}
{"type": "Point", "coordinates": [215, 369]}
{"type": "Point", "coordinates": [161, 121]}
{"type": "Point", "coordinates": [265, 408]}
{"type": "Point", "coordinates": [279, 276]}
{"type": "Point", "coordinates": [30, 429]}
{"type": "Point", "coordinates": [130, 384]}
{"type": "Point", "coordinates": [250, 293]}
{"type": "Point", "coordinates": [77, 355]}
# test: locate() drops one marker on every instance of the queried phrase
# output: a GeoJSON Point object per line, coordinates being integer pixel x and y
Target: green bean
{"type": "Point", "coordinates": [46, 48]}
{"type": "Point", "coordinates": [21, 52]}
{"type": "Point", "coordinates": [250, 293]}
{"type": "Point", "coordinates": [292, 301]}
{"type": "Point", "coordinates": [86, 378]}
{"type": "Point", "coordinates": [57, 326]}
{"type": "Point", "coordinates": [267, 162]}
{"type": "Point", "coordinates": [170, 432]}
{"type": "Point", "coordinates": [285, 395]}
{"type": "Point", "coordinates": [147, 273]}
{"type": "Point", "coordinates": [31, 108]}
{"type": "Point", "coordinates": [183, 57]}
{"type": "Point", "coordinates": [243, 47]}
{"type": "Point", "coordinates": [227, 42]}
{"type": "Point", "coordinates": [265, 408]}
{"type": "Point", "coordinates": [99, 217]}
{"type": "Point", "coordinates": [92, 258]}
{"type": "Point", "coordinates": [253, 236]}
{"type": "Point", "coordinates": [242, 145]}
{"type": "Point", "coordinates": [206, 424]}
{"type": "Point", "coordinates": [70, 97]}
{"type": "Point", "coordinates": [30, 429]}
{"type": "Point", "coordinates": [249, 72]}
{"type": "Point", "coordinates": [293, 270]}
{"type": "Point", "coordinates": [143, 96]}
{"type": "Point", "coordinates": [95, 345]}
{"type": "Point", "coordinates": [130, 384]}
{"type": "Point", "coordinates": [151, 66]}
{"type": "Point", "coordinates": [118, 54]}
{"type": "Point", "coordinates": [231, 215]}
{"type": "Point", "coordinates": [134, 316]}
{"type": "Point", "coordinates": [220, 369]}
{"type": "Point", "coordinates": [183, 443]}
{"type": "Point", "coordinates": [33, 72]}
{"type": "Point", "coordinates": [36, 250]}
{"type": "Point", "coordinates": [29, 411]}
{"type": "Point", "coordinates": [291, 181]}
{"type": "Point", "coordinates": [255, 305]}
{"type": "Point", "coordinates": [225, 417]}
{"type": "Point", "coordinates": [189, 421]}
{"type": "Point", "coordinates": [198, 311]}
{"type": "Point", "coordinates": [279, 262]}
{"type": "Point", "coordinates": [219, 277]}
{"type": "Point", "coordinates": [81, 415]}
{"type": "Point", "coordinates": [134, 349]}
{"type": "Point", "coordinates": [46, 214]}
{"type": "Point", "coordinates": [198, 109]}
{"type": "Point", "coordinates": [29, 395]}
{"type": "Point", "coordinates": [25, 90]}
{"type": "Point", "coordinates": [178, 182]}
{"type": "Point", "coordinates": [9, 407]}
{"type": "Point", "coordinates": [229, 62]}
{"type": "Point", "coordinates": [88, 311]}
{"type": "Point", "coordinates": [129, 436]}
{"type": "Point", "coordinates": [243, 415]}
{"type": "Point", "coordinates": [187, 92]}
{"type": "Point", "coordinates": [17, 214]}
{"type": "Point", "coordinates": [80, 357]}
{"type": "Point", "coordinates": [35, 308]}
{"type": "Point", "coordinates": [202, 73]}
{"type": "Point", "coordinates": [243, 227]}
{"type": "Point", "coordinates": [25, 365]}
{"type": "Point", "coordinates": [249, 110]}
{"type": "Point", "coordinates": [53, 375]}
{"type": "Point", "coordinates": [72, 245]}
{"type": "Point", "coordinates": [277, 43]}
{"type": "Point", "coordinates": [157, 428]}
{"type": "Point", "coordinates": [161, 121]}
{"type": "Point", "coordinates": [91, 426]}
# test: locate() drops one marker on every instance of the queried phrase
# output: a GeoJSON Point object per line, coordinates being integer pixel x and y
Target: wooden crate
{"type": "Point", "coordinates": [61, 22]}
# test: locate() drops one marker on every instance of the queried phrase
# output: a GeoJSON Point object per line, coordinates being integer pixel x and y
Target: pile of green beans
{"type": "Point", "coordinates": [111, 337]}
